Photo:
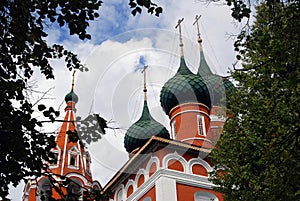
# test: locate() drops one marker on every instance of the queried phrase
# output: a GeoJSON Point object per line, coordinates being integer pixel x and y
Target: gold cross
{"type": "Point", "coordinates": [73, 75]}
{"type": "Point", "coordinates": [180, 35]}
{"type": "Point", "coordinates": [145, 87]}
{"type": "Point", "coordinates": [197, 23]}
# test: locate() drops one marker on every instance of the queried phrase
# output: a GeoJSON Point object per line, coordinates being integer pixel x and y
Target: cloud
{"type": "Point", "coordinates": [120, 42]}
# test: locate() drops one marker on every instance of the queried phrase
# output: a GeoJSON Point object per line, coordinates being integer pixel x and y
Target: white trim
{"type": "Point", "coordinates": [190, 111]}
{"type": "Point", "coordinates": [197, 138]}
{"type": "Point", "coordinates": [73, 151]}
{"type": "Point", "coordinates": [173, 129]}
{"type": "Point", "coordinates": [180, 177]}
{"type": "Point", "coordinates": [198, 161]}
{"type": "Point", "coordinates": [165, 189]}
{"type": "Point", "coordinates": [188, 103]}
{"type": "Point", "coordinates": [65, 144]}
{"type": "Point", "coordinates": [120, 188]}
{"type": "Point", "coordinates": [129, 183]}
{"type": "Point", "coordinates": [174, 156]}
{"type": "Point", "coordinates": [217, 118]}
{"type": "Point", "coordinates": [153, 159]}
{"type": "Point", "coordinates": [205, 194]}
{"type": "Point", "coordinates": [57, 151]}
{"type": "Point", "coordinates": [200, 119]}
{"type": "Point", "coordinates": [79, 176]}
{"type": "Point", "coordinates": [141, 172]}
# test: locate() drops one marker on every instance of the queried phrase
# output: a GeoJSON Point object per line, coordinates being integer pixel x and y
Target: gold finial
{"type": "Point", "coordinates": [145, 87]}
{"type": "Point", "coordinates": [199, 37]}
{"type": "Point", "coordinates": [180, 35]}
{"type": "Point", "coordinates": [73, 75]}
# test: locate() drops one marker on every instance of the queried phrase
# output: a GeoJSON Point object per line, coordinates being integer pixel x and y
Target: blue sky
{"type": "Point", "coordinates": [121, 42]}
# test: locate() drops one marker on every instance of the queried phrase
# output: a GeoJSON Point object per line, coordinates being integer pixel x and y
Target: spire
{"type": "Point", "coordinates": [145, 82]}
{"type": "Point", "coordinates": [73, 78]}
{"type": "Point", "coordinates": [199, 37]}
{"type": "Point", "coordinates": [203, 69]}
{"type": "Point", "coordinates": [72, 96]}
{"type": "Point", "coordinates": [180, 36]}
{"type": "Point", "coordinates": [144, 128]}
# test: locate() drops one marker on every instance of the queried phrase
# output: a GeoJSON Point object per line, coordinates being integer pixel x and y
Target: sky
{"type": "Point", "coordinates": [121, 44]}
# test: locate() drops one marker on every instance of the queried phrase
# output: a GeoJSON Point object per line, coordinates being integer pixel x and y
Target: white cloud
{"type": "Point", "coordinates": [113, 89]}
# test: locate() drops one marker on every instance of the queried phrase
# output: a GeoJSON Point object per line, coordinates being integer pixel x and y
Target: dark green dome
{"type": "Point", "coordinates": [142, 130]}
{"type": "Point", "coordinates": [182, 88]}
{"type": "Point", "coordinates": [218, 86]}
{"type": "Point", "coordinates": [71, 97]}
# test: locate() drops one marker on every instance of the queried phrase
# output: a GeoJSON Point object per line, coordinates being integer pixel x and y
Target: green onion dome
{"type": "Point", "coordinates": [71, 97]}
{"type": "Point", "coordinates": [182, 88]}
{"type": "Point", "coordinates": [142, 130]}
{"type": "Point", "coordinates": [218, 86]}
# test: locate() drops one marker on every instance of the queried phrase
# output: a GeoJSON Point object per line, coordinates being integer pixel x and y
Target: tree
{"type": "Point", "coordinates": [258, 155]}
{"type": "Point", "coordinates": [23, 50]}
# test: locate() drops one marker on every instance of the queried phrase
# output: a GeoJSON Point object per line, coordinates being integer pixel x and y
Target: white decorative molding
{"type": "Point", "coordinates": [190, 111]}
{"type": "Point", "coordinates": [141, 172]}
{"type": "Point", "coordinates": [204, 195]}
{"type": "Point", "coordinates": [197, 138]}
{"type": "Point", "coordinates": [198, 161]}
{"type": "Point", "coordinates": [73, 151]}
{"type": "Point", "coordinates": [179, 177]}
{"type": "Point", "coordinates": [217, 118]}
{"type": "Point", "coordinates": [81, 177]}
{"type": "Point", "coordinates": [153, 159]}
{"type": "Point", "coordinates": [128, 184]}
{"type": "Point", "coordinates": [120, 191]}
{"type": "Point", "coordinates": [57, 151]}
{"type": "Point", "coordinates": [174, 156]}
{"type": "Point", "coordinates": [163, 185]}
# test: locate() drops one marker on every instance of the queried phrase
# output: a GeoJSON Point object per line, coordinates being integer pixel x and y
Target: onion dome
{"type": "Point", "coordinates": [71, 97]}
{"type": "Point", "coordinates": [184, 87]}
{"type": "Point", "coordinates": [142, 130]}
{"type": "Point", "coordinates": [218, 86]}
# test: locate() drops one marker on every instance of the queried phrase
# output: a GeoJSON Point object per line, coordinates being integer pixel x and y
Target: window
{"type": "Point", "coordinates": [201, 125]}
{"type": "Point", "coordinates": [73, 158]}
{"type": "Point", "coordinates": [74, 190]}
{"type": "Point", "coordinates": [147, 199]}
{"type": "Point", "coordinates": [173, 129]}
{"type": "Point", "coordinates": [44, 190]}
{"type": "Point", "coordinates": [54, 156]}
{"type": "Point", "coordinates": [87, 163]}
{"type": "Point", "coordinates": [204, 196]}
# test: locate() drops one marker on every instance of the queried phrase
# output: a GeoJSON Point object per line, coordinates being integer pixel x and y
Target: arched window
{"type": "Point", "coordinates": [147, 198]}
{"type": "Point", "coordinates": [120, 195]}
{"type": "Point", "coordinates": [173, 129]}
{"type": "Point", "coordinates": [55, 155]}
{"type": "Point", "coordinates": [201, 125]}
{"type": "Point", "coordinates": [74, 190]}
{"type": "Point", "coordinates": [44, 190]}
{"type": "Point", "coordinates": [205, 196]}
{"type": "Point", "coordinates": [73, 158]}
{"type": "Point", "coordinates": [87, 163]}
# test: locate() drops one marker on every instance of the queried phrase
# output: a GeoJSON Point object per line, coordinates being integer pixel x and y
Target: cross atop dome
{"type": "Point", "coordinates": [145, 82]}
{"type": "Point", "coordinates": [198, 29]}
{"type": "Point", "coordinates": [180, 36]}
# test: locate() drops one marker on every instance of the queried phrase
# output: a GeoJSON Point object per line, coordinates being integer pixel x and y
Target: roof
{"type": "Point", "coordinates": [150, 146]}
{"type": "Point", "coordinates": [184, 87]}
{"type": "Point", "coordinates": [146, 127]}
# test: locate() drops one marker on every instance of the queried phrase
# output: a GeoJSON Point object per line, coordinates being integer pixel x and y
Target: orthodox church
{"type": "Point", "coordinates": [162, 166]}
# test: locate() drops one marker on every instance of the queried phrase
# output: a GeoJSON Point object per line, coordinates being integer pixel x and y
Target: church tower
{"type": "Point", "coordinates": [175, 168]}
{"type": "Point", "coordinates": [71, 164]}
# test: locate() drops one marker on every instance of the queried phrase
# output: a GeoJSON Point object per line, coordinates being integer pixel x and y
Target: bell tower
{"type": "Point", "coordinates": [71, 164]}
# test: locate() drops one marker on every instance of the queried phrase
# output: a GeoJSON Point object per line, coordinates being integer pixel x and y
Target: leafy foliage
{"type": "Point", "coordinates": [23, 51]}
{"type": "Point", "coordinates": [258, 153]}
{"type": "Point", "coordinates": [151, 7]}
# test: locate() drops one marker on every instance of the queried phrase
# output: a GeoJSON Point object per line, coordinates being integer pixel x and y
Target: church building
{"type": "Point", "coordinates": [162, 166]}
